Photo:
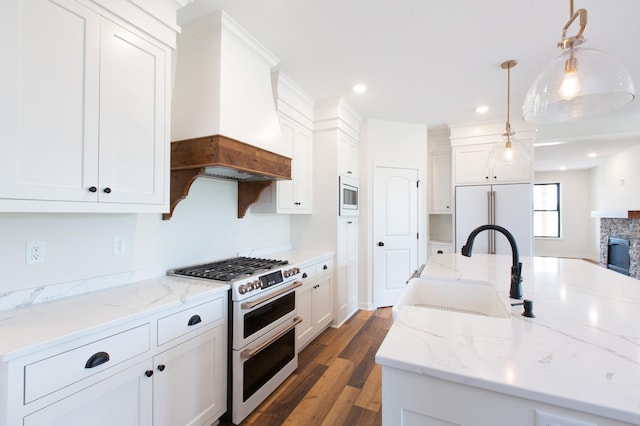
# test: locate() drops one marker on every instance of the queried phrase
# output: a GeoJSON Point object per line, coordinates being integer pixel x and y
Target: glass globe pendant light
{"type": "Point", "coordinates": [510, 151]}
{"type": "Point", "coordinates": [581, 82]}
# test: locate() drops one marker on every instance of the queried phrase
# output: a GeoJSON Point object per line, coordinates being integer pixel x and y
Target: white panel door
{"type": "Point", "coordinates": [472, 210]}
{"type": "Point", "coordinates": [395, 231]}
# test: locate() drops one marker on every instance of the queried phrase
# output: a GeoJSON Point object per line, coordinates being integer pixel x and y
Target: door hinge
{"type": "Point", "coordinates": [417, 184]}
{"type": "Point", "coordinates": [417, 235]}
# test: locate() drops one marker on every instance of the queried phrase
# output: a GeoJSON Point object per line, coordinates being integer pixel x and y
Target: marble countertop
{"type": "Point", "coordinates": [582, 351]}
{"type": "Point", "coordinates": [42, 325]}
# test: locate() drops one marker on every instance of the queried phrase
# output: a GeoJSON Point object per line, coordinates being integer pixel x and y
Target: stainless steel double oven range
{"type": "Point", "coordinates": [262, 321]}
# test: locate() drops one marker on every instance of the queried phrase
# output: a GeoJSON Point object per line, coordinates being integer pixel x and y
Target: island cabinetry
{"type": "Point", "coordinates": [314, 301]}
{"type": "Point", "coordinates": [163, 369]}
{"type": "Point", "coordinates": [435, 402]}
{"type": "Point", "coordinates": [84, 127]}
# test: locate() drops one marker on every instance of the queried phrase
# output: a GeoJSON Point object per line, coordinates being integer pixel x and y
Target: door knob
{"type": "Point", "coordinates": [380, 244]}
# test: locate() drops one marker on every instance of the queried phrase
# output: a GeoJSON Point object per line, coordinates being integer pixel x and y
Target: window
{"type": "Point", "coordinates": [546, 210]}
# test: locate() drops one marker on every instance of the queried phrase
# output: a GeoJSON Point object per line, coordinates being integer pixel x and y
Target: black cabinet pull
{"type": "Point", "coordinates": [148, 373]}
{"type": "Point", "coordinates": [97, 359]}
{"type": "Point", "coordinates": [440, 252]}
{"type": "Point", "coordinates": [107, 190]}
{"type": "Point", "coordinates": [194, 320]}
{"type": "Point", "coordinates": [161, 367]}
{"type": "Point", "coordinates": [325, 267]}
{"type": "Point", "coordinates": [304, 275]}
{"type": "Point", "coordinates": [92, 189]}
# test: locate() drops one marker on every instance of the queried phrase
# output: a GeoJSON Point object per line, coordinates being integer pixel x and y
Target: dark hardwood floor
{"type": "Point", "coordinates": [337, 381]}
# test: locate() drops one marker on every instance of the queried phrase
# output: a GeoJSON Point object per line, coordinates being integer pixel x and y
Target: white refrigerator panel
{"type": "Point", "coordinates": [512, 209]}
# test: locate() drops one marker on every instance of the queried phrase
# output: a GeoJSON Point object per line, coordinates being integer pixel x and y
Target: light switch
{"type": "Point", "coordinates": [543, 418]}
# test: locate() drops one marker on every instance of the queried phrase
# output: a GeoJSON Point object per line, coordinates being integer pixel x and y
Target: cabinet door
{"type": "Point", "coordinates": [322, 306]}
{"type": "Point", "coordinates": [304, 309]}
{"type": "Point", "coordinates": [48, 107]}
{"type": "Point", "coordinates": [440, 182]}
{"type": "Point", "coordinates": [472, 164]}
{"type": "Point", "coordinates": [346, 285]}
{"type": "Point", "coordinates": [347, 156]}
{"type": "Point", "coordinates": [124, 399]}
{"type": "Point", "coordinates": [133, 147]}
{"type": "Point", "coordinates": [190, 381]}
{"type": "Point", "coordinates": [518, 172]}
{"type": "Point", "coordinates": [301, 171]}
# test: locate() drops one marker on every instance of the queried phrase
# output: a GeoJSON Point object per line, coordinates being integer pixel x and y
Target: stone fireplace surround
{"type": "Point", "coordinates": [628, 229]}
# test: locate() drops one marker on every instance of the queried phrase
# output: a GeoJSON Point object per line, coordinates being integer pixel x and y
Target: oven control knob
{"type": "Point", "coordinates": [242, 289]}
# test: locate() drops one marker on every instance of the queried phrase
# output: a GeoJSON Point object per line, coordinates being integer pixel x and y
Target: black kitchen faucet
{"type": "Point", "coordinates": [515, 292]}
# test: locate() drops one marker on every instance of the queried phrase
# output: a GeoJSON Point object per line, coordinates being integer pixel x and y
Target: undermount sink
{"type": "Point", "coordinates": [464, 296]}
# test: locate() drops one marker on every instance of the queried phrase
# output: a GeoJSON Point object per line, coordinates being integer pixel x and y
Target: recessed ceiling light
{"type": "Point", "coordinates": [592, 154]}
{"type": "Point", "coordinates": [482, 109]}
{"type": "Point", "coordinates": [359, 88]}
{"type": "Point", "coordinates": [563, 167]}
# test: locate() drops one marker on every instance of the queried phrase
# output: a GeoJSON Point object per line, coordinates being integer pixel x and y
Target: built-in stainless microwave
{"type": "Point", "coordinates": [348, 199]}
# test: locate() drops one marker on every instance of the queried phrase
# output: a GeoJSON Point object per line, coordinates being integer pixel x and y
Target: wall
{"type": "Point", "coordinates": [393, 144]}
{"type": "Point", "coordinates": [577, 226]}
{"type": "Point", "coordinates": [616, 182]}
{"type": "Point", "coordinates": [204, 227]}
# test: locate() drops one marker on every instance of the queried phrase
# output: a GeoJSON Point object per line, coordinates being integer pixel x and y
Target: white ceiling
{"type": "Point", "coordinates": [435, 61]}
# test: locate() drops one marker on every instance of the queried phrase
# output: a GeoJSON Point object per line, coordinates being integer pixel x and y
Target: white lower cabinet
{"type": "Point", "coordinates": [165, 369]}
{"type": "Point", "coordinates": [124, 399]}
{"type": "Point", "coordinates": [314, 302]}
{"type": "Point", "coordinates": [187, 379]}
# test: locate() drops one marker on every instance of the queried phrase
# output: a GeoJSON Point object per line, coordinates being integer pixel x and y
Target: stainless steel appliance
{"type": "Point", "coordinates": [262, 323]}
{"type": "Point", "coordinates": [348, 196]}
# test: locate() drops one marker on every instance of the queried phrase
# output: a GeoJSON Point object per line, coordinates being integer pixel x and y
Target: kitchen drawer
{"type": "Point", "coordinates": [181, 323]}
{"type": "Point", "coordinates": [443, 249]}
{"type": "Point", "coordinates": [307, 273]}
{"type": "Point", "coordinates": [50, 374]}
{"type": "Point", "coordinates": [324, 267]}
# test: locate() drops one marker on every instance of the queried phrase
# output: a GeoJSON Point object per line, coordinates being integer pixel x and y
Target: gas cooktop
{"type": "Point", "coordinates": [230, 269]}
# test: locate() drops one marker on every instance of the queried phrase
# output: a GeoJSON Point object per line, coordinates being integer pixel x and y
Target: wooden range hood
{"type": "Point", "coordinates": [221, 157]}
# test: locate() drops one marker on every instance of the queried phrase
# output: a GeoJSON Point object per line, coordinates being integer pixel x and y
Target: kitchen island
{"type": "Point", "coordinates": [577, 360]}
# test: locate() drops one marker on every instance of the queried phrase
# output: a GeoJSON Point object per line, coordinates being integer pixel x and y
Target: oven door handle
{"type": "Point", "coordinates": [250, 305]}
{"type": "Point", "coordinates": [250, 353]}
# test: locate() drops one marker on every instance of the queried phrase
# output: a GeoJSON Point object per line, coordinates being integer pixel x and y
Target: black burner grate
{"type": "Point", "coordinates": [230, 269]}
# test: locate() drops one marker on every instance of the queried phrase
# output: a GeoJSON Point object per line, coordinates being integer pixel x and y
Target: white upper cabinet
{"type": "Point", "coordinates": [347, 156]}
{"type": "Point", "coordinates": [473, 148]}
{"type": "Point", "coordinates": [83, 116]}
{"type": "Point", "coordinates": [295, 112]}
{"type": "Point", "coordinates": [440, 183]}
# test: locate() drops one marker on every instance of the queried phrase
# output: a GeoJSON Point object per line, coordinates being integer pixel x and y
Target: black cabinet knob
{"type": "Point", "coordinates": [380, 244]}
{"type": "Point", "coordinates": [93, 189]}
{"type": "Point", "coordinates": [107, 190]}
{"type": "Point", "coordinates": [304, 275]}
{"type": "Point", "coordinates": [148, 373]}
{"type": "Point", "coordinates": [325, 267]}
{"type": "Point", "coordinates": [161, 367]}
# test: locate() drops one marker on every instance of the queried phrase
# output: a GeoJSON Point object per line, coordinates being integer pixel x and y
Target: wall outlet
{"type": "Point", "coordinates": [544, 418]}
{"type": "Point", "coordinates": [35, 252]}
{"type": "Point", "coordinates": [119, 246]}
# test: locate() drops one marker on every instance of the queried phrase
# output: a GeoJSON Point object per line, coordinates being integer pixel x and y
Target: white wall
{"type": "Point", "coordinates": [204, 227]}
{"type": "Point", "coordinates": [616, 182]}
{"type": "Point", "coordinates": [393, 144]}
{"type": "Point", "coordinates": [577, 226]}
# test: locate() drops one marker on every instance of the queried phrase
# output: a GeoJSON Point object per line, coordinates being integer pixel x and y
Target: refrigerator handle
{"type": "Point", "coordinates": [490, 221]}
{"type": "Point", "coordinates": [493, 221]}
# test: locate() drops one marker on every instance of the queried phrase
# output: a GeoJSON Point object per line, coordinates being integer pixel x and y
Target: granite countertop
{"type": "Point", "coordinates": [42, 325]}
{"type": "Point", "coordinates": [582, 351]}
